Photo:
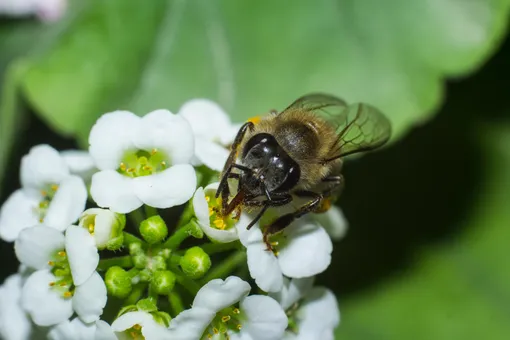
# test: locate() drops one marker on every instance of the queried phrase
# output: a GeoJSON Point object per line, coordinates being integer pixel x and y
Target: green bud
{"type": "Point", "coordinates": [195, 229]}
{"type": "Point", "coordinates": [140, 261]}
{"type": "Point", "coordinates": [115, 243]}
{"type": "Point", "coordinates": [158, 263]}
{"type": "Point", "coordinates": [147, 305]}
{"type": "Point", "coordinates": [145, 275]}
{"type": "Point", "coordinates": [165, 253]}
{"type": "Point", "coordinates": [163, 281]}
{"type": "Point", "coordinates": [162, 318]}
{"type": "Point", "coordinates": [195, 262]}
{"type": "Point", "coordinates": [135, 248]}
{"type": "Point", "coordinates": [118, 282]}
{"type": "Point", "coordinates": [153, 229]}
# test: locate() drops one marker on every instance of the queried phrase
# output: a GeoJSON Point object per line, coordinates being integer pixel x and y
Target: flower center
{"type": "Point", "coordinates": [216, 219]}
{"type": "Point", "coordinates": [44, 204]}
{"type": "Point", "coordinates": [228, 319]}
{"type": "Point", "coordinates": [89, 222]}
{"type": "Point", "coordinates": [135, 332]}
{"type": "Point", "coordinates": [64, 281]}
{"type": "Point", "coordinates": [142, 163]}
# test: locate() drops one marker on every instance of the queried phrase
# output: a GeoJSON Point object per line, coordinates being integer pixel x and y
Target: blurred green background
{"type": "Point", "coordinates": [427, 255]}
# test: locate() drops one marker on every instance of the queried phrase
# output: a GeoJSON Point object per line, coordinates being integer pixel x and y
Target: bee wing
{"type": "Point", "coordinates": [360, 127]}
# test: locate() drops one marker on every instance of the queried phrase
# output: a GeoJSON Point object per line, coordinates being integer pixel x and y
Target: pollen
{"type": "Point", "coordinates": [211, 211]}
{"type": "Point", "coordinates": [122, 166]}
{"type": "Point", "coordinates": [254, 120]}
{"type": "Point", "coordinates": [147, 167]}
{"type": "Point", "coordinates": [215, 330]}
{"type": "Point", "coordinates": [61, 253]}
{"type": "Point", "coordinates": [236, 311]}
{"type": "Point", "coordinates": [68, 294]}
{"type": "Point", "coordinates": [51, 284]}
{"type": "Point", "coordinates": [219, 223]}
{"type": "Point", "coordinates": [274, 244]}
{"type": "Point", "coordinates": [225, 318]}
{"type": "Point", "coordinates": [239, 327]}
{"type": "Point", "coordinates": [163, 164]}
{"type": "Point", "coordinates": [207, 199]}
{"type": "Point", "coordinates": [91, 228]}
{"type": "Point", "coordinates": [51, 263]}
{"type": "Point", "coordinates": [54, 187]}
{"type": "Point", "coordinates": [154, 151]}
{"type": "Point", "coordinates": [137, 326]}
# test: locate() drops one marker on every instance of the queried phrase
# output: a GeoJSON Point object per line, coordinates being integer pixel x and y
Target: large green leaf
{"type": "Point", "coordinates": [258, 55]}
{"type": "Point", "coordinates": [459, 289]}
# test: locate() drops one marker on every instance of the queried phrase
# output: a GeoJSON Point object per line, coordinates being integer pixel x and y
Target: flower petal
{"type": "Point", "coordinates": [104, 331]}
{"type": "Point", "coordinates": [218, 294]}
{"type": "Point", "coordinates": [201, 210]}
{"type": "Point", "coordinates": [167, 132]}
{"type": "Point", "coordinates": [104, 223]}
{"type": "Point", "coordinates": [112, 190]}
{"type": "Point", "coordinates": [37, 245]}
{"type": "Point", "coordinates": [81, 253]}
{"type": "Point", "coordinates": [319, 311]}
{"type": "Point", "coordinates": [265, 318]}
{"type": "Point", "coordinates": [130, 319]}
{"type": "Point", "coordinates": [207, 119]}
{"type": "Point", "coordinates": [190, 324]}
{"type": "Point", "coordinates": [67, 204]}
{"type": "Point", "coordinates": [75, 329]}
{"type": "Point", "coordinates": [171, 187]}
{"type": "Point", "coordinates": [263, 265]}
{"type": "Point", "coordinates": [111, 137]}
{"type": "Point", "coordinates": [45, 305]}
{"type": "Point", "coordinates": [17, 213]}
{"type": "Point", "coordinates": [42, 166]}
{"type": "Point", "coordinates": [14, 323]}
{"type": "Point", "coordinates": [80, 163]}
{"type": "Point", "coordinates": [90, 298]}
{"type": "Point", "coordinates": [307, 251]}
{"type": "Point", "coordinates": [334, 222]}
{"type": "Point", "coordinates": [211, 154]}
{"type": "Point", "coordinates": [293, 290]}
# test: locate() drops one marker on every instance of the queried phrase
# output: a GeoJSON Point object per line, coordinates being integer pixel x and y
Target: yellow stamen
{"type": "Point", "coordinates": [130, 170]}
{"type": "Point", "coordinates": [67, 294]}
{"type": "Point", "coordinates": [239, 327]}
{"type": "Point", "coordinates": [51, 263]}
{"type": "Point", "coordinates": [226, 318]}
{"type": "Point", "coordinates": [154, 151]}
{"type": "Point", "coordinates": [219, 223]}
{"type": "Point", "coordinates": [215, 330]}
{"type": "Point", "coordinates": [209, 336]}
{"type": "Point", "coordinates": [54, 187]}
{"type": "Point", "coordinates": [63, 284]}
{"type": "Point", "coordinates": [61, 253]}
{"type": "Point", "coordinates": [51, 284]}
{"type": "Point", "coordinates": [274, 244]}
{"type": "Point", "coordinates": [276, 253]}
{"type": "Point", "coordinates": [147, 167]}
{"type": "Point", "coordinates": [122, 166]}
{"type": "Point", "coordinates": [41, 220]}
{"type": "Point", "coordinates": [254, 120]}
{"type": "Point", "coordinates": [211, 211]}
{"type": "Point", "coordinates": [236, 311]}
{"type": "Point", "coordinates": [91, 227]}
{"type": "Point", "coordinates": [137, 326]}
{"type": "Point", "coordinates": [163, 163]}
{"type": "Point", "coordinates": [44, 193]}
{"type": "Point", "coordinates": [207, 199]}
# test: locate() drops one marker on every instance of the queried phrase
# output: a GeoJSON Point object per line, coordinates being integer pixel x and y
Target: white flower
{"type": "Point", "coordinates": [212, 129]}
{"type": "Point", "coordinates": [80, 163]}
{"type": "Point", "coordinates": [46, 10]}
{"type": "Point", "coordinates": [75, 330]}
{"type": "Point", "coordinates": [214, 313]}
{"type": "Point", "coordinates": [49, 195]}
{"type": "Point", "coordinates": [215, 227]}
{"type": "Point", "coordinates": [333, 220]}
{"type": "Point", "coordinates": [313, 312]}
{"type": "Point", "coordinates": [142, 160]}
{"type": "Point", "coordinates": [132, 325]}
{"type": "Point", "coordinates": [14, 324]}
{"type": "Point", "coordinates": [105, 225]}
{"type": "Point", "coordinates": [303, 249]}
{"type": "Point", "coordinates": [65, 280]}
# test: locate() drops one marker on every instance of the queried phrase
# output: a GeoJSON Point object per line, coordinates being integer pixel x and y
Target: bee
{"type": "Point", "coordinates": [297, 153]}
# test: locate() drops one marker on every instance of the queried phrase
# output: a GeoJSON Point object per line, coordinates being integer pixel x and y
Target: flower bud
{"type": "Point", "coordinates": [145, 275]}
{"type": "Point", "coordinates": [158, 263]}
{"type": "Point", "coordinates": [118, 282]}
{"type": "Point", "coordinates": [153, 229]}
{"type": "Point", "coordinates": [195, 262]}
{"type": "Point", "coordinates": [106, 226]}
{"type": "Point", "coordinates": [140, 261]}
{"type": "Point", "coordinates": [163, 281]}
{"type": "Point", "coordinates": [135, 248]}
{"type": "Point", "coordinates": [147, 305]}
{"type": "Point", "coordinates": [162, 318]}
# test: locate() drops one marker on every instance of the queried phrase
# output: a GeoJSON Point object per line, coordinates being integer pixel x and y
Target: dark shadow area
{"type": "Point", "coordinates": [415, 191]}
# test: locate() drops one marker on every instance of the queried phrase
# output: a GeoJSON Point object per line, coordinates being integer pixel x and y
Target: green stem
{"type": "Point", "coordinates": [150, 211]}
{"type": "Point", "coordinates": [174, 260]}
{"type": "Point", "coordinates": [226, 267]}
{"type": "Point", "coordinates": [136, 294]}
{"type": "Point", "coordinates": [213, 248]}
{"type": "Point", "coordinates": [191, 286]}
{"type": "Point", "coordinates": [136, 217]}
{"type": "Point", "coordinates": [130, 238]}
{"type": "Point", "coordinates": [152, 293]}
{"type": "Point", "coordinates": [190, 229]}
{"type": "Point", "coordinates": [122, 261]}
{"type": "Point", "coordinates": [186, 215]}
{"type": "Point", "coordinates": [175, 303]}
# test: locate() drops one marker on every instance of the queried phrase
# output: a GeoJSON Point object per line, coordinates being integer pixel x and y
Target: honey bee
{"type": "Point", "coordinates": [297, 153]}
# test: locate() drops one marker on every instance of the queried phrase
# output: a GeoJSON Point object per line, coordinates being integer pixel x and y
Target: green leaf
{"type": "Point", "coordinates": [255, 56]}
{"type": "Point", "coordinates": [459, 289]}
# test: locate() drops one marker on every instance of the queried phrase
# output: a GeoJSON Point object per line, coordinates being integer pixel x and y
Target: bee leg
{"type": "Point", "coordinates": [337, 184]}
{"type": "Point", "coordinates": [282, 200]}
{"type": "Point", "coordinates": [231, 157]}
{"type": "Point", "coordinates": [284, 221]}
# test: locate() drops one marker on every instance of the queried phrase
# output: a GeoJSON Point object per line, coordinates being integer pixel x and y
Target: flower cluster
{"type": "Point", "coordinates": [118, 241]}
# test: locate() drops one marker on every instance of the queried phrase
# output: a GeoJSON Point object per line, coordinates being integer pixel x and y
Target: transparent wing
{"type": "Point", "coordinates": [360, 127]}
